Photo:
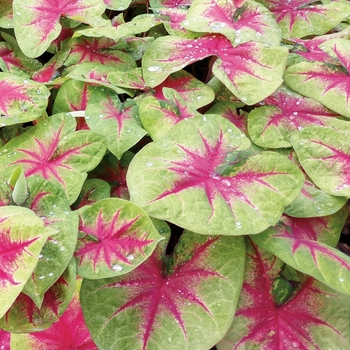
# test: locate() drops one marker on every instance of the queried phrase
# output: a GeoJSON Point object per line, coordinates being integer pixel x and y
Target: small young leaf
{"type": "Point", "coordinates": [116, 237]}
{"type": "Point", "coordinates": [19, 184]}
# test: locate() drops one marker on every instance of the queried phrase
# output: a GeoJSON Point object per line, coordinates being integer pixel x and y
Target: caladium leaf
{"type": "Point", "coordinates": [285, 113]}
{"type": "Point", "coordinates": [73, 96]}
{"type": "Point", "coordinates": [69, 332]}
{"type": "Point", "coordinates": [40, 20]}
{"type": "Point", "coordinates": [13, 61]}
{"type": "Point", "coordinates": [96, 74]}
{"type": "Point", "coordinates": [229, 111]}
{"type": "Point", "coordinates": [21, 100]}
{"type": "Point", "coordinates": [5, 340]}
{"type": "Point", "coordinates": [257, 69]}
{"type": "Point", "coordinates": [193, 91]}
{"type": "Point", "coordinates": [131, 79]}
{"type": "Point", "coordinates": [158, 117]}
{"type": "Point", "coordinates": [114, 172]}
{"type": "Point", "coordinates": [53, 150]}
{"type": "Point", "coordinates": [92, 191]}
{"type": "Point", "coordinates": [202, 167]}
{"type": "Point", "coordinates": [19, 187]}
{"type": "Point", "coordinates": [250, 22]}
{"type": "Point", "coordinates": [314, 202]}
{"type": "Point", "coordinates": [6, 14]}
{"type": "Point", "coordinates": [115, 237]}
{"type": "Point", "coordinates": [297, 243]}
{"type": "Point", "coordinates": [25, 316]}
{"type": "Point", "coordinates": [324, 82]}
{"type": "Point", "coordinates": [324, 155]}
{"type": "Point", "coordinates": [50, 72]}
{"type": "Point", "coordinates": [49, 202]}
{"type": "Point", "coordinates": [300, 18]}
{"type": "Point", "coordinates": [22, 236]}
{"type": "Point", "coordinates": [310, 316]}
{"type": "Point", "coordinates": [116, 121]}
{"type": "Point", "coordinates": [118, 5]}
{"type": "Point", "coordinates": [187, 299]}
{"type": "Point", "coordinates": [99, 50]}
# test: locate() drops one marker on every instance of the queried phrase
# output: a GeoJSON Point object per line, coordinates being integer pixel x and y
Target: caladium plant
{"type": "Point", "coordinates": [174, 174]}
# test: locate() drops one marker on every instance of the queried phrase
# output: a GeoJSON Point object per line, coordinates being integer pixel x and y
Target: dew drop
{"type": "Point", "coordinates": [199, 97]}
{"type": "Point", "coordinates": [25, 81]}
{"type": "Point", "coordinates": [41, 277]}
{"type": "Point", "coordinates": [87, 117]}
{"type": "Point", "coordinates": [40, 256]}
{"type": "Point", "coordinates": [154, 69]}
{"type": "Point", "coordinates": [204, 118]}
{"type": "Point", "coordinates": [50, 274]}
{"type": "Point", "coordinates": [226, 182]}
{"type": "Point", "coordinates": [101, 116]}
{"type": "Point", "coordinates": [130, 257]}
{"type": "Point", "coordinates": [229, 130]}
{"type": "Point", "coordinates": [341, 280]}
{"type": "Point", "coordinates": [295, 344]}
{"type": "Point", "coordinates": [329, 204]}
{"type": "Point", "coordinates": [62, 249]}
{"type": "Point", "coordinates": [116, 267]}
{"type": "Point", "coordinates": [38, 92]}
{"type": "Point", "coordinates": [149, 163]}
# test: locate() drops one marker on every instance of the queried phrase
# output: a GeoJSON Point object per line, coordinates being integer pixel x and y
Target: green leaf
{"type": "Point", "coordinates": [324, 154]}
{"type": "Point", "coordinates": [22, 235]}
{"type": "Point", "coordinates": [19, 184]}
{"type": "Point", "coordinates": [117, 122]}
{"type": "Point", "coordinates": [21, 100]}
{"type": "Point", "coordinates": [204, 176]}
{"type": "Point", "coordinates": [115, 237]}
{"type": "Point", "coordinates": [183, 301]}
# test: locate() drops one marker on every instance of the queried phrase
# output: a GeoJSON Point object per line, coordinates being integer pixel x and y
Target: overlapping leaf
{"type": "Point", "coordinates": [186, 300]}
{"type": "Point", "coordinates": [25, 316]}
{"type": "Point", "coordinates": [285, 113]}
{"type": "Point", "coordinates": [251, 71]}
{"type": "Point", "coordinates": [208, 183]}
{"type": "Point", "coordinates": [69, 332]}
{"type": "Point", "coordinates": [324, 154]}
{"type": "Point", "coordinates": [299, 243]}
{"type": "Point", "coordinates": [5, 340]}
{"type": "Point", "coordinates": [192, 90]}
{"type": "Point", "coordinates": [280, 311]}
{"type": "Point", "coordinates": [21, 100]}
{"type": "Point", "coordinates": [115, 237]}
{"type": "Point", "coordinates": [158, 117]}
{"type": "Point", "coordinates": [49, 202]}
{"type": "Point", "coordinates": [324, 82]}
{"type": "Point", "coordinates": [301, 18]}
{"type": "Point", "coordinates": [22, 236]}
{"type": "Point", "coordinates": [250, 22]}
{"type": "Point", "coordinates": [40, 20]}
{"type": "Point", "coordinates": [117, 122]}
{"type": "Point", "coordinates": [54, 151]}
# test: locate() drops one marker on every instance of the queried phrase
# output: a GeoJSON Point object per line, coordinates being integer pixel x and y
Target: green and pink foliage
{"type": "Point", "coordinates": [174, 174]}
{"type": "Point", "coordinates": [188, 292]}
{"type": "Point", "coordinates": [282, 309]}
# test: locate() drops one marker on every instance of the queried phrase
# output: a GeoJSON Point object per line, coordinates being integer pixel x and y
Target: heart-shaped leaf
{"type": "Point", "coordinates": [202, 167]}
{"type": "Point", "coordinates": [21, 100]}
{"type": "Point", "coordinates": [251, 22]}
{"type": "Point", "coordinates": [324, 154]}
{"type": "Point", "coordinates": [92, 191]}
{"type": "Point", "coordinates": [186, 300]}
{"type": "Point", "coordinates": [285, 113]}
{"type": "Point", "coordinates": [25, 316]}
{"type": "Point", "coordinates": [49, 202]}
{"type": "Point", "coordinates": [116, 121]}
{"type": "Point", "coordinates": [115, 237]}
{"type": "Point", "coordinates": [300, 18]}
{"type": "Point", "coordinates": [193, 91]}
{"type": "Point", "coordinates": [69, 332]}
{"type": "Point", "coordinates": [158, 116]}
{"type": "Point", "coordinates": [54, 151]}
{"type": "Point", "coordinates": [257, 69]}
{"type": "Point", "coordinates": [22, 236]}
{"type": "Point", "coordinates": [298, 242]}
{"type": "Point", "coordinates": [303, 314]}
{"type": "Point", "coordinates": [324, 82]}
{"type": "Point", "coordinates": [40, 20]}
